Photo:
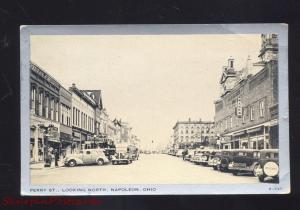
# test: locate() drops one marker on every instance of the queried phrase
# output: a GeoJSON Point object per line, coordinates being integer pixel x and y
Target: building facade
{"type": "Point", "coordinates": [83, 118]}
{"type": "Point", "coordinates": [246, 114]}
{"type": "Point", "coordinates": [44, 113]}
{"type": "Point", "coordinates": [65, 106]}
{"type": "Point", "coordinates": [192, 133]}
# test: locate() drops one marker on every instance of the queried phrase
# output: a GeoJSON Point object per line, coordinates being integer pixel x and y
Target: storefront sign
{"type": "Point", "coordinates": [239, 109]}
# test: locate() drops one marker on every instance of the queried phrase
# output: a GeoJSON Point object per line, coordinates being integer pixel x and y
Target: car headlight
{"type": "Point", "coordinates": [271, 169]}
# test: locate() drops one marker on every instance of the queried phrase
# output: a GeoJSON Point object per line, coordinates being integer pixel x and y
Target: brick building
{"type": "Point", "coordinates": [44, 113]}
{"type": "Point", "coordinates": [246, 115]}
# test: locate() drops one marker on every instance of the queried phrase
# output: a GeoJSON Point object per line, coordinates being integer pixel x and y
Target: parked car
{"type": "Point", "coordinates": [196, 158]}
{"type": "Point", "coordinates": [189, 155]}
{"type": "Point", "coordinates": [268, 167]}
{"type": "Point", "coordinates": [213, 160]}
{"type": "Point", "coordinates": [85, 157]}
{"type": "Point", "coordinates": [244, 161]}
{"type": "Point", "coordinates": [207, 155]}
{"type": "Point", "coordinates": [121, 157]}
{"type": "Point", "coordinates": [222, 161]}
{"type": "Point", "coordinates": [179, 152]}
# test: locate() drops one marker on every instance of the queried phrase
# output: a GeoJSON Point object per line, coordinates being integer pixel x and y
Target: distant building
{"type": "Point", "coordinates": [246, 114]}
{"type": "Point", "coordinates": [192, 133]}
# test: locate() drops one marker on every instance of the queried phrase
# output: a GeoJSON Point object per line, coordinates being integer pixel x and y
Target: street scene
{"type": "Point", "coordinates": [121, 113]}
{"type": "Point", "coordinates": [149, 169]}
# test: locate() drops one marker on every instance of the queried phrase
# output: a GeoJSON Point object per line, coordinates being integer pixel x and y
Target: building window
{"type": "Point", "coordinates": [231, 122]}
{"type": "Point", "coordinates": [261, 108]}
{"type": "Point", "coordinates": [56, 111]}
{"type": "Point", "coordinates": [32, 101]}
{"type": "Point", "coordinates": [41, 97]}
{"type": "Point", "coordinates": [251, 113]}
{"type": "Point", "coordinates": [186, 131]}
{"type": "Point", "coordinates": [73, 116]}
{"type": "Point", "coordinates": [47, 106]}
{"type": "Point", "coordinates": [51, 108]}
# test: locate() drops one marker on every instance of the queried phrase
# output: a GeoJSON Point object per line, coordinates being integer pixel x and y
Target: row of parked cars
{"type": "Point", "coordinates": [100, 157]}
{"type": "Point", "coordinates": [263, 164]}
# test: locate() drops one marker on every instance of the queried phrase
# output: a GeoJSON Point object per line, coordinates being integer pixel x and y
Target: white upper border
{"type": "Point", "coordinates": [281, 29]}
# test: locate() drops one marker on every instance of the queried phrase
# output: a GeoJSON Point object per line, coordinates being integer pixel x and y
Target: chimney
{"type": "Point", "coordinates": [249, 66]}
{"type": "Point", "coordinates": [231, 63]}
{"type": "Point", "coordinates": [73, 85]}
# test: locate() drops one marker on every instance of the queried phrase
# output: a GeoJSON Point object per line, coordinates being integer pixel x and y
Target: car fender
{"type": "Point", "coordinates": [105, 159]}
{"type": "Point", "coordinates": [78, 160]}
{"type": "Point", "coordinates": [253, 165]}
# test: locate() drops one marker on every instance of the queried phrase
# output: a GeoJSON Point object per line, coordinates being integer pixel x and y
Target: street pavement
{"type": "Point", "coordinates": [149, 169]}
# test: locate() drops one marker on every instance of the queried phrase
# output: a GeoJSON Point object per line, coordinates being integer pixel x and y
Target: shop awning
{"type": "Point", "coordinates": [253, 130]}
{"type": "Point", "coordinates": [239, 133]}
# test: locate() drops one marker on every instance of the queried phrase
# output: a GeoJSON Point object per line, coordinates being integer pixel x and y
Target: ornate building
{"type": "Point", "coordinates": [192, 133]}
{"type": "Point", "coordinates": [44, 113]}
{"type": "Point", "coordinates": [246, 114]}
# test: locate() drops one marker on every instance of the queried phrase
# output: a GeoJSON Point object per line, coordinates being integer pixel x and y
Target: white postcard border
{"type": "Point", "coordinates": [42, 190]}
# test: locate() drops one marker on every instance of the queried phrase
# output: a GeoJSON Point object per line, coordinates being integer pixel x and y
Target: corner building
{"type": "Point", "coordinates": [246, 114]}
{"type": "Point", "coordinates": [44, 113]}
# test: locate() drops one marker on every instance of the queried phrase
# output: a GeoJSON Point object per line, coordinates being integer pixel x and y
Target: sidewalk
{"type": "Point", "coordinates": [38, 166]}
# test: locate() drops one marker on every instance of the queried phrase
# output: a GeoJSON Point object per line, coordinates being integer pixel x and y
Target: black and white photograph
{"type": "Point", "coordinates": [182, 109]}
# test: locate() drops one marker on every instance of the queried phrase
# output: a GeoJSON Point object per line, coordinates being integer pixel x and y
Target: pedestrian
{"type": "Point", "coordinates": [48, 159]}
{"type": "Point", "coordinates": [56, 157]}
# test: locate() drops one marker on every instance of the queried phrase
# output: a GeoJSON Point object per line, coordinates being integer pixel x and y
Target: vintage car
{"type": "Point", "coordinates": [268, 168]}
{"type": "Point", "coordinates": [85, 157]}
{"type": "Point", "coordinates": [212, 162]}
{"type": "Point", "coordinates": [221, 161]}
{"type": "Point", "coordinates": [244, 161]}
{"type": "Point", "coordinates": [179, 152]}
{"type": "Point", "coordinates": [189, 155]}
{"type": "Point", "coordinates": [196, 158]}
{"type": "Point", "coordinates": [208, 154]}
{"type": "Point", "coordinates": [121, 157]}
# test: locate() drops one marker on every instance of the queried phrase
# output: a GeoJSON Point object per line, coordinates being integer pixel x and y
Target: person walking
{"type": "Point", "coordinates": [56, 157]}
{"type": "Point", "coordinates": [48, 159]}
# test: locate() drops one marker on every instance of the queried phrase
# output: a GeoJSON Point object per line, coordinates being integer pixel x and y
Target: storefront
{"type": "Point", "coordinates": [76, 145]}
{"type": "Point", "coordinates": [43, 136]}
{"type": "Point", "coordinates": [36, 144]}
{"type": "Point", "coordinates": [66, 143]}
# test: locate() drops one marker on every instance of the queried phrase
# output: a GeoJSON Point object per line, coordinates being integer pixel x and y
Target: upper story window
{"type": "Point", "coordinates": [231, 124]}
{"type": "Point", "coordinates": [261, 108]}
{"type": "Point", "coordinates": [251, 113]}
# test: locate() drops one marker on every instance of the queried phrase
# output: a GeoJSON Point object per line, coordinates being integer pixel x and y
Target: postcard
{"type": "Point", "coordinates": [154, 109]}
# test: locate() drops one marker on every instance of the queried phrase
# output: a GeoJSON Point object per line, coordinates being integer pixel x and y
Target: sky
{"type": "Point", "coordinates": [149, 81]}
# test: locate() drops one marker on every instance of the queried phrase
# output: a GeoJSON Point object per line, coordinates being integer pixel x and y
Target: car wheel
{"type": "Point", "coordinates": [72, 163]}
{"type": "Point", "coordinates": [261, 178]}
{"type": "Point", "coordinates": [100, 162]}
{"type": "Point", "coordinates": [235, 173]}
{"type": "Point", "coordinates": [113, 162]}
{"type": "Point", "coordinates": [215, 168]}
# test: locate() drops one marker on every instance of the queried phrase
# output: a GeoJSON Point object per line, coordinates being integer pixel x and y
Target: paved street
{"type": "Point", "coordinates": [149, 169]}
